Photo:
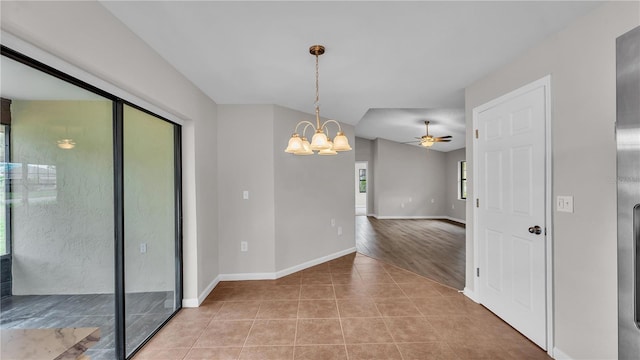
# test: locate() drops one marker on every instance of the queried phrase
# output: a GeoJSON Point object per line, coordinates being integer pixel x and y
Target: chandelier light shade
{"type": "Point", "coordinates": [340, 142]}
{"type": "Point", "coordinates": [320, 142]}
{"type": "Point", "coordinates": [295, 144]}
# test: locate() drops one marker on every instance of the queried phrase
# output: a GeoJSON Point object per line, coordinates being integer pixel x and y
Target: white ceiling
{"type": "Point", "coordinates": [388, 67]}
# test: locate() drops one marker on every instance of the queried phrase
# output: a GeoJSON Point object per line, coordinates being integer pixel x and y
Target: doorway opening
{"type": "Point", "coordinates": [361, 188]}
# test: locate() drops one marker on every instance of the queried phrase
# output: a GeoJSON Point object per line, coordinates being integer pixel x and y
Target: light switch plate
{"type": "Point", "coordinates": [245, 195]}
{"type": "Point", "coordinates": [564, 204]}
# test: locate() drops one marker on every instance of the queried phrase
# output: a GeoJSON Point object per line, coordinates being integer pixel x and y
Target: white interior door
{"type": "Point", "coordinates": [510, 191]}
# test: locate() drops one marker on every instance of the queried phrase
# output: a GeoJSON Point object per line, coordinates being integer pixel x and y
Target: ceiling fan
{"type": "Point", "coordinates": [428, 140]}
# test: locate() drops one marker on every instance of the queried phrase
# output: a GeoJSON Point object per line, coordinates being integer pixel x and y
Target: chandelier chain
{"type": "Point", "coordinates": [317, 86]}
{"type": "Point", "coordinates": [320, 142]}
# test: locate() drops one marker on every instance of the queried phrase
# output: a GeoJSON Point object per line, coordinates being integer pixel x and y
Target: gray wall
{"type": "Point", "coordinates": [407, 171]}
{"type": "Point", "coordinates": [373, 207]}
{"type": "Point", "coordinates": [309, 192]}
{"type": "Point", "coordinates": [581, 61]}
{"type": "Point", "coordinates": [455, 208]}
{"type": "Point", "coordinates": [246, 162]}
{"type": "Point", "coordinates": [409, 181]}
{"type": "Point", "coordinates": [68, 30]}
{"type": "Point", "coordinates": [292, 199]}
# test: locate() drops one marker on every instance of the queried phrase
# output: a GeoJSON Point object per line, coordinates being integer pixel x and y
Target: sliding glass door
{"type": "Point", "coordinates": [89, 212]}
{"type": "Point", "coordinates": [57, 199]}
{"type": "Point", "coordinates": [149, 223]}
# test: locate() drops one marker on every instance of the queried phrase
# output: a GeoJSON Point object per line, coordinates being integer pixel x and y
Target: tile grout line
{"type": "Point", "coordinates": [378, 286]}
{"type": "Point", "coordinates": [250, 328]}
{"type": "Point", "coordinates": [203, 331]}
{"type": "Point", "coordinates": [344, 338]}
{"type": "Point", "coordinates": [383, 318]}
{"type": "Point", "coordinates": [295, 337]}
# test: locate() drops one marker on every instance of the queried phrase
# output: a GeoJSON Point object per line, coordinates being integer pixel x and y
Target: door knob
{"type": "Point", "coordinates": [535, 230]}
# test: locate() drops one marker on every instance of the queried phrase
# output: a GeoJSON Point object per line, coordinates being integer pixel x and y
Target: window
{"type": "Point", "coordinates": [462, 180]}
{"type": "Point", "coordinates": [363, 180]}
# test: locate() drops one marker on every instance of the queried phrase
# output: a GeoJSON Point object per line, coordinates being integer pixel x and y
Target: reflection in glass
{"type": "Point", "coordinates": [4, 238]}
{"type": "Point", "coordinates": [149, 208]}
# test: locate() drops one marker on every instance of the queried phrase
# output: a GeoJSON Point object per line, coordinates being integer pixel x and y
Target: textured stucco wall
{"type": "Point", "coordinates": [64, 245]}
{"type": "Point", "coordinates": [149, 215]}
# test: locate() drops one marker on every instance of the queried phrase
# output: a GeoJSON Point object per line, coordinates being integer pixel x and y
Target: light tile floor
{"type": "Point", "coordinates": [354, 307]}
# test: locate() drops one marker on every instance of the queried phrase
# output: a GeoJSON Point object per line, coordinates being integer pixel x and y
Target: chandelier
{"type": "Point", "coordinates": [320, 142]}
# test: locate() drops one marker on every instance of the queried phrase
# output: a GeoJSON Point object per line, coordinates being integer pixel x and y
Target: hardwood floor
{"type": "Point", "coordinates": [432, 248]}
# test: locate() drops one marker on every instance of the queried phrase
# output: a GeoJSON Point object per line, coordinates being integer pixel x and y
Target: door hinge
{"type": "Point", "coordinates": [476, 133]}
{"type": "Point", "coordinates": [477, 202]}
{"type": "Point", "coordinates": [477, 272]}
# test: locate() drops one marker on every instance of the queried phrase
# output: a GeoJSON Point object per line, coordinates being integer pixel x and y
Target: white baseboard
{"type": "Point", "coordinates": [470, 294]}
{"type": "Point", "coordinates": [313, 262]}
{"type": "Point", "coordinates": [560, 355]}
{"type": "Point", "coordinates": [420, 217]}
{"type": "Point", "coordinates": [456, 220]}
{"type": "Point", "coordinates": [247, 276]}
{"type": "Point", "coordinates": [191, 302]}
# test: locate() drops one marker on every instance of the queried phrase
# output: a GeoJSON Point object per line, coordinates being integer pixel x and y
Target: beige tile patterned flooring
{"type": "Point", "coordinates": [353, 307]}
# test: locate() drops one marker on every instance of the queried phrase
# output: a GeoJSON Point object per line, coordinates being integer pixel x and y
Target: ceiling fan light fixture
{"type": "Point", "coordinates": [428, 140]}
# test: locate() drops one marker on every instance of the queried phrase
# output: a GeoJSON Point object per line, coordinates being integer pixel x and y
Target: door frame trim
{"type": "Point", "coordinates": [366, 205]}
{"type": "Point", "coordinates": [545, 83]}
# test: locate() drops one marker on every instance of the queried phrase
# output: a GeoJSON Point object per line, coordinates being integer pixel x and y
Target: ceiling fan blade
{"type": "Point", "coordinates": [442, 140]}
{"type": "Point", "coordinates": [445, 137]}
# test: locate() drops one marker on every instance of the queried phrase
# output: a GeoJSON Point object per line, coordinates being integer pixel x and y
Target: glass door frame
{"type": "Point", "coordinates": [119, 229]}
{"type": "Point", "coordinates": [7, 257]}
